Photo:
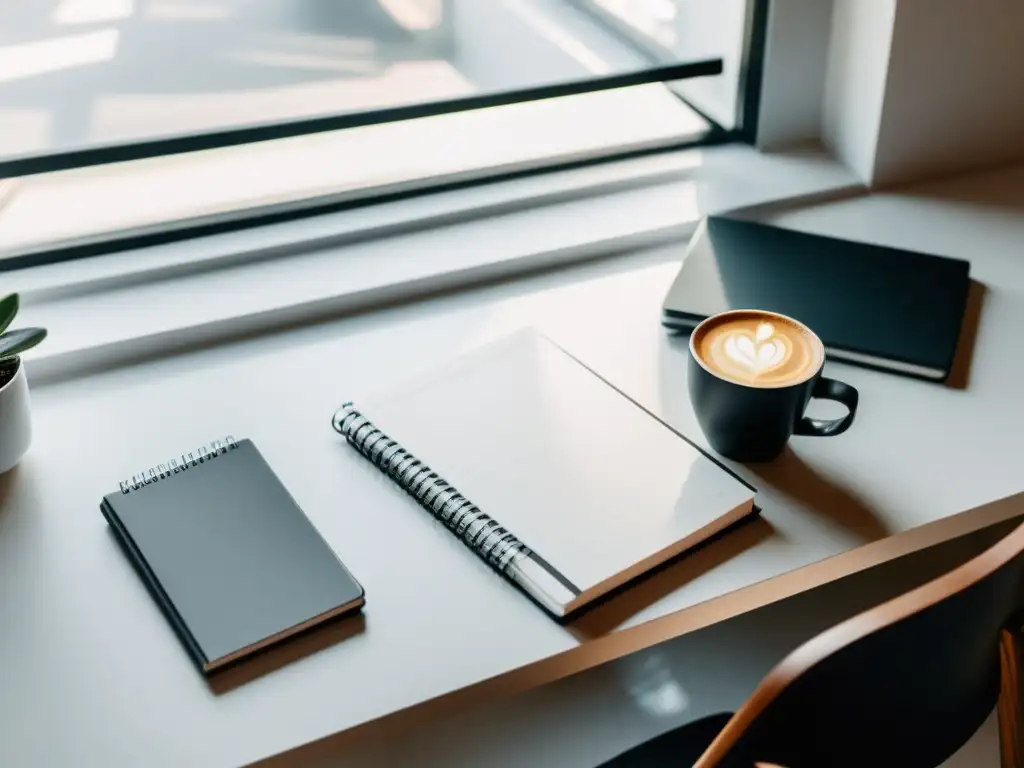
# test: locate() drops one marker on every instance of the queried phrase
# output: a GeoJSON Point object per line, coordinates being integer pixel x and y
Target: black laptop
{"type": "Point", "coordinates": [881, 307]}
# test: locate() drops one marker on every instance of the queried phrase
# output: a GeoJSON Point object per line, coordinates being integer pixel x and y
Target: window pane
{"type": "Point", "coordinates": [686, 30]}
{"type": "Point", "coordinates": [84, 73]}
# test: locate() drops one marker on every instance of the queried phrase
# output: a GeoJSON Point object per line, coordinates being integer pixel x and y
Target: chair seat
{"type": "Point", "coordinates": [677, 748]}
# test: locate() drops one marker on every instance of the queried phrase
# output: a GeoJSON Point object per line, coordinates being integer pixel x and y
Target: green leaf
{"type": "Point", "coordinates": [15, 342]}
{"type": "Point", "coordinates": [8, 309]}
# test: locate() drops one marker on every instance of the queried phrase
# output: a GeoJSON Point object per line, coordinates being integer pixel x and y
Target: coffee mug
{"type": "Point", "coordinates": [751, 375]}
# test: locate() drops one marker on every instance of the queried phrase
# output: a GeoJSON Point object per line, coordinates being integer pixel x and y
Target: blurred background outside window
{"type": "Point", "coordinates": [121, 115]}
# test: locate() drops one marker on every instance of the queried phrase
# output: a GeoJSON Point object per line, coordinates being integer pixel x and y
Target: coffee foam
{"type": "Point", "coordinates": [758, 349]}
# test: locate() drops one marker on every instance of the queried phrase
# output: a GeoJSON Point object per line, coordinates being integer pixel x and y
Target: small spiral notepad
{"type": "Point", "coordinates": [230, 558]}
{"type": "Point", "coordinates": [545, 471]}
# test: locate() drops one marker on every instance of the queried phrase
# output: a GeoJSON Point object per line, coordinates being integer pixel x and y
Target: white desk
{"type": "Point", "coordinates": [90, 673]}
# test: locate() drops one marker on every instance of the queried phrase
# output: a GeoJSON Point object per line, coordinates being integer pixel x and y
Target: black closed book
{"type": "Point", "coordinates": [223, 547]}
{"type": "Point", "coordinates": [875, 306]}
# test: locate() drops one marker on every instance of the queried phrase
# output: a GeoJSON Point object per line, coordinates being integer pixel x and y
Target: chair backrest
{"type": "Point", "coordinates": [904, 684]}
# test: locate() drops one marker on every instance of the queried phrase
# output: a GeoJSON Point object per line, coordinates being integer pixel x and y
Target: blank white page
{"type": "Point", "coordinates": [581, 474]}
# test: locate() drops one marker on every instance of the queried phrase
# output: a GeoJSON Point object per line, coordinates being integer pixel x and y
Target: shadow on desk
{"type": "Point", "coordinates": [609, 614]}
{"type": "Point", "coordinates": [292, 650]}
{"type": "Point", "coordinates": [960, 371]}
{"type": "Point", "coordinates": [828, 497]}
{"type": "Point", "coordinates": [7, 482]}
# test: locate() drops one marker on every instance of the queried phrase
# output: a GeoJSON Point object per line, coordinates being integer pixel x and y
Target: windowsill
{"type": "Point", "coordinates": [250, 180]}
{"type": "Point", "coordinates": [114, 309]}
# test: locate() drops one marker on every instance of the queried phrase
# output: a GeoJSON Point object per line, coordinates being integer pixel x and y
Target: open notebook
{"type": "Point", "coordinates": [547, 472]}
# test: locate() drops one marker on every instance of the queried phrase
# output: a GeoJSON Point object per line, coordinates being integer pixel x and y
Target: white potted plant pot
{"type": "Point", "coordinates": [15, 417]}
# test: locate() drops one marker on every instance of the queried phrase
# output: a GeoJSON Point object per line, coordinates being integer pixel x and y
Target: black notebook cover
{"type": "Point", "coordinates": [871, 305]}
{"type": "Point", "coordinates": [233, 561]}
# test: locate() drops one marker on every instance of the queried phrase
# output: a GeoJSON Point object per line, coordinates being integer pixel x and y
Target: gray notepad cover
{"type": "Point", "coordinates": [233, 552]}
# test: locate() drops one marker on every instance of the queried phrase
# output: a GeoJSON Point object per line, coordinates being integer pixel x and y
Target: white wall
{"type": "Point", "coordinates": [924, 88]}
{"type": "Point", "coordinates": [954, 97]}
{"type": "Point", "coordinates": [855, 81]}
{"type": "Point", "coordinates": [796, 52]}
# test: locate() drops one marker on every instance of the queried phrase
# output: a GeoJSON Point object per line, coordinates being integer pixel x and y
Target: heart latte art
{"type": "Point", "coordinates": [759, 352]}
{"type": "Point", "coordinates": [758, 349]}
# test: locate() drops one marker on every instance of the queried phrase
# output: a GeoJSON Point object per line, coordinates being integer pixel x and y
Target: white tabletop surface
{"type": "Point", "coordinates": [90, 674]}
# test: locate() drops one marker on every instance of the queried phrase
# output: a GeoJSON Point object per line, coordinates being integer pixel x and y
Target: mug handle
{"type": "Point", "coordinates": [830, 389]}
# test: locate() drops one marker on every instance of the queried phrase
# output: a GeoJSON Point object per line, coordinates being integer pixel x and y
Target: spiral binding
{"type": "Point", "coordinates": [477, 530]}
{"type": "Point", "coordinates": [179, 464]}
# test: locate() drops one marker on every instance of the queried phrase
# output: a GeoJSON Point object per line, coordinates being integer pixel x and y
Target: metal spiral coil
{"type": "Point", "coordinates": [477, 530]}
{"type": "Point", "coordinates": [179, 464]}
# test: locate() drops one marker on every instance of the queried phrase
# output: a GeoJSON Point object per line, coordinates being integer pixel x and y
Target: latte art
{"type": "Point", "coordinates": [761, 353]}
{"type": "Point", "coordinates": [758, 349]}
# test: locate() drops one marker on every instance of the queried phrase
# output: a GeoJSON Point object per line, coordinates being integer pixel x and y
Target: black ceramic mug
{"type": "Point", "coordinates": [751, 375]}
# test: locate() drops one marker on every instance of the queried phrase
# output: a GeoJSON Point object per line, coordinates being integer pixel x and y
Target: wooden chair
{"type": "Point", "coordinates": [904, 684]}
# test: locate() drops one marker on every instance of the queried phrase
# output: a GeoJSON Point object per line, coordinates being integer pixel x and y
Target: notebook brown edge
{"type": "Point", "coordinates": [284, 634]}
{"type": "Point", "coordinates": [655, 564]}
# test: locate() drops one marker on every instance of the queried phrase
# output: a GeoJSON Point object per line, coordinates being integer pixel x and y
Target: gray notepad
{"type": "Point", "coordinates": [227, 553]}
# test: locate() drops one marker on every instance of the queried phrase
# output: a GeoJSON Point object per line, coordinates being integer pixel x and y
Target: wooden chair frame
{"type": "Point", "coordinates": [816, 650]}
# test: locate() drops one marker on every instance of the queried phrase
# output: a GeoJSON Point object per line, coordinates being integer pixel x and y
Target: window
{"type": "Point", "coordinates": [122, 119]}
